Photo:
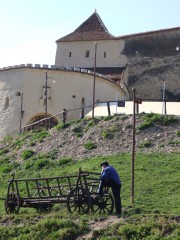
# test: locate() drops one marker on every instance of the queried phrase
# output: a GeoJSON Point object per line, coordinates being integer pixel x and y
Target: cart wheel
{"type": "Point", "coordinates": [79, 201]}
{"type": "Point", "coordinates": [12, 203]}
{"type": "Point", "coordinates": [104, 204]}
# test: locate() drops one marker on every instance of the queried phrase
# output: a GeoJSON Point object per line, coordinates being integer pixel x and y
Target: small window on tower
{"type": "Point", "coordinates": [69, 54]}
{"type": "Point", "coordinates": [6, 103]}
{"type": "Point", "coordinates": [104, 54]}
{"type": "Point", "coordinates": [87, 54]}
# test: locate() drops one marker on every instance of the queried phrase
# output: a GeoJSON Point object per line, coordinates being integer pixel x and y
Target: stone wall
{"type": "Point", "coordinates": [152, 60]}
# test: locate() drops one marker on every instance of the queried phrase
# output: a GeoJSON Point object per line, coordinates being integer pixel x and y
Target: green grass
{"type": "Point", "coordinates": [27, 154]}
{"type": "Point", "coordinates": [109, 133]}
{"type": "Point", "coordinates": [156, 194]}
{"type": "Point", "coordinates": [174, 142]}
{"type": "Point", "coordinates": [156, 177]}
{"type": "Point", "coordinates": [178, 133]}
{"type": "Point", "coordinates": [145, 228]}
{"type": "Point", "coordinates": [150, 119]}
{"type": "Point", "coordinates": [90, 145]}
{"type": "Point", "coordinates": [156, 207]}
{"type": "Point", "coordinates": [145, 144]}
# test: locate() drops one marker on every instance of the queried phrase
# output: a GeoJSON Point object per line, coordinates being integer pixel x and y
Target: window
{"type": "Point", "coordinates": [6, 103]}
{"type": "Point", "coordinates": [69, 54]}
{"type": "Point", "coordinates": [87, 54]}
{"type": "Point", "coordinates": [104, 54]}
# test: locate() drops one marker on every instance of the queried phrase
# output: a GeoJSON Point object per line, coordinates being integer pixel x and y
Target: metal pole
{"type": "Point", "coordinates": [133, 148]}
{"type": "Point", "coordinates": [46, 102]}
{"type": "Point", "coordinates": [20, 122]}
{"type": "Point", "coordinates": [164, 101]}
{"type": "Point", "coordinates": [95, 51]}
{"type": "Point", "coordinates": [165, 110]}
{"type": "Point", "coordinates": [108, 107]}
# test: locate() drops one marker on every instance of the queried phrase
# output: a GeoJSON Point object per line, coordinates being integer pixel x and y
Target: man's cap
{"type": "Point", "coordinates": [104, 163]}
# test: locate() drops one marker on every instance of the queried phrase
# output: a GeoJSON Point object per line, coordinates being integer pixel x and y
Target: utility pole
{"type": "Point", "coordinates": [46, 101]}
{"type": "Point", "coordinates": [21, 112]}
{"type": "Point", "coordinates": [164, 99]}
{"type": "Point", "coordinates": [95, 51]}
{"type": "Point", "coordinates": [133, 148]}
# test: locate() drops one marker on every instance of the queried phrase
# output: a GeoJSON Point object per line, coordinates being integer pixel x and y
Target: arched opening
{"type": "Point", "coordinates": [39, 122]}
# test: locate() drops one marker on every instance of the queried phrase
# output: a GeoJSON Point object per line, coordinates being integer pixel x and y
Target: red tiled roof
{"type": "Point", "coordinates": [92, 29]}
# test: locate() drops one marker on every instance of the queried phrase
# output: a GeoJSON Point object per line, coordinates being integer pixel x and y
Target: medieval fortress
{"type": "Point", "coordinates": [145, 61]}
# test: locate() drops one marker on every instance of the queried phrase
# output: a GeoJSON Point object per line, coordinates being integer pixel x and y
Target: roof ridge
{"type": "Point", "coordinates": [99, 19]}
{"type": "Point", "coordinates": [92, 28]}
{"type": "Point", "coordinates": [105, 28]}
{"type": "Point", "coordinates": [148, 32]}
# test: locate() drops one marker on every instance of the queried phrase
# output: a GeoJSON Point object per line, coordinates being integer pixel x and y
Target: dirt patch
{"type": "Point", "coordinates": [99, 224]}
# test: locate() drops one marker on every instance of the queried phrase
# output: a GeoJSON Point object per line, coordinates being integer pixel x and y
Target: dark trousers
{"type": "Point", "coordinates": [116, 190]}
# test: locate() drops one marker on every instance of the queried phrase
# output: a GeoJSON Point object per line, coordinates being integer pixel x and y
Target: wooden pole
{"type": "Point", "coordinates": [20, 122]}
{"type": "Point", "coordinates": [133, 148]}
{"type": "Point", "coordinates": [95, 51]}
{"type": "Point", "coordinates": [46, 102]}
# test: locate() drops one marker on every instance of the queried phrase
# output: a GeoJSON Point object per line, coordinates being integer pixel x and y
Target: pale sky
{"type": "Point", "coordinates": [29, 29]}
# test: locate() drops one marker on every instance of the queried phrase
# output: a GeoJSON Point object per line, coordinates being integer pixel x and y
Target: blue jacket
{"type": "Point", "coordinates": [111, 174]}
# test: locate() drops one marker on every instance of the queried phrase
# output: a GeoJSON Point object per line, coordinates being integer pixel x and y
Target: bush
{"type": "Point", "coordinates": [3, 151]}
{"type": "Point", "coordinates": [108, 118]}
{"type": "Point", "coordinates": [28, 164]}
{"type": "Point", "coordinates": [39, 136]}
{"type": "Point", "coordinates": [52, 154]}
{"type": "Point", "coordinates": [151, 118]}
{"type": "Point", "coordinates": [5, 169]}
{"type": "Point", "coordinates": [144, 125]}
{"type": "Point", "coordinates": [17, 144]}
{"type": "Point", "coordinates": [168, 119]}
{"type": "Point", "coordinates": [27, 154]}
{"type": "Point", "coordinates": [92, 123]}
{"type": "Point", "coordinates": [64, 161]}
{"type": "Point", "coordinates": [41, 163]}
{"type": "Point", "coordinates": [79, 135]}
{"type": "Point", "coordinates": [62, 125]}
{"type": "Point", "coordinates": [145, 144]}
{"type": "Point", "coordinates": [77, 129]}
{"type": "Point", "coordinates": [4, 161]}
{"type": "Point", "coordinates": [178, 133]}
{"type": "Point", "coordinates": [90, 145]}
{"type": "Point", "coordinates": [174, 142]}
{"type": "Point", "coordinates": [109, 132]}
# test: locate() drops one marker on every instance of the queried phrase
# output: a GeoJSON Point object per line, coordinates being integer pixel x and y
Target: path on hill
{"type": "Point", "coordinates": [101, 223]}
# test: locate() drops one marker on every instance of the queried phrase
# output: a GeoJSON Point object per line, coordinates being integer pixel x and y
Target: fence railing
{"type": "Point", "coordinates": [47, 121]}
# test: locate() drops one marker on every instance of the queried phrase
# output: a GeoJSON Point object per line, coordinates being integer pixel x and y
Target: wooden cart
{"type": "Point", "coordinates": [77, 191]}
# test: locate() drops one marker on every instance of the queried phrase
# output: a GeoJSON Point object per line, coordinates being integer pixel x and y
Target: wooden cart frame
{"type": "Point", "coordinates": [77, 191]}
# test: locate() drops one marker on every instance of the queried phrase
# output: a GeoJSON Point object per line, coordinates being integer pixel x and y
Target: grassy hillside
{"type": "Point", "coordinates": [155, 214]}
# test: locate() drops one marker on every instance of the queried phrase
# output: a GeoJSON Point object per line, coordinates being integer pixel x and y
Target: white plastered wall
{"type": "Point", "coordinates": [112, 48]}
{"type": "Point", "coordinates": [65, 90]}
